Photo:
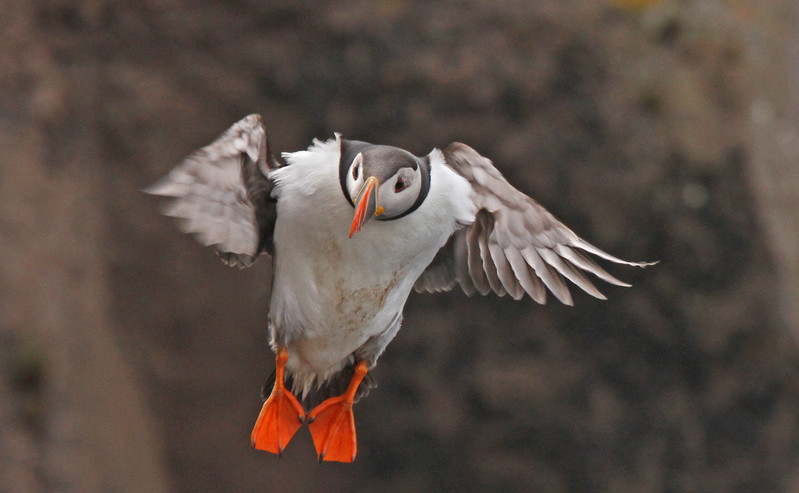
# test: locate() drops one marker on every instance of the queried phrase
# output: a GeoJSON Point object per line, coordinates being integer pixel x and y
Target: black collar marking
{"type": "Point", "coordinates": [351, 148]}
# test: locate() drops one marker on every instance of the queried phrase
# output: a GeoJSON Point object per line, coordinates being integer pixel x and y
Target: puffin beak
{"type": "Point", "coordinates": [366, 204]}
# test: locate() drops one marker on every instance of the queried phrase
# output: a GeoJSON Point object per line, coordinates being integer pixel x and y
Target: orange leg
{"type": "Point", "coordinates": [332, 423]}
{"type": "Point", "coordinates": [280, 417]}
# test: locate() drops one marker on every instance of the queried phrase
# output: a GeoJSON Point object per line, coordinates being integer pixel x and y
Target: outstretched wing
{"type": "Point", "coordinates": [514, 246]}
{"type": "Point", "coordinates": [222, 194]}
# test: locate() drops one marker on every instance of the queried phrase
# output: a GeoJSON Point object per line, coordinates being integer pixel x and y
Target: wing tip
{"type": "Point", "coordinates": [588, 247]}
{"type": "Point", "coordinates": [162, 188]}
{"type": "Point", "coordinates": [565, 298]}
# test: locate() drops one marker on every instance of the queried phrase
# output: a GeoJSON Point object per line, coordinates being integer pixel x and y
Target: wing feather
{"type": "Point", "coordinates": [221, 194]}
{"type": "Point", "coordinates": [460, 264]}
{"type": "Point", "coordinates": [529, 280]}
{"type": "Point", "coordinates": [569, 272]}
{"type": "Point", "coordinates": [505, 271]}
{"type": "Point", "coordinates": [489, 267]}
{"type": "Point", "coordinates": [514, 245]}
{"type": "Point", "coordinates": [476, 271]}
{"type": "Point", "coordinates": [586, 263]}
{"type": "Point", "coordinates": [548, 275]}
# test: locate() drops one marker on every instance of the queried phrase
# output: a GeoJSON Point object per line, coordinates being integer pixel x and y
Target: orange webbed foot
{"type": "Point", "coordinates": [332, 423]}
{"type": "Point", "coordinates": [281, 415]}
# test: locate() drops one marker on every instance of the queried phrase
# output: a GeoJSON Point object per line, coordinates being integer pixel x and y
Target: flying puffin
{"type": "Point", "coordinates": [339, 285]}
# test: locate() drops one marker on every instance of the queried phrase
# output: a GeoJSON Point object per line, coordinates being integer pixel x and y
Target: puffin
{"type": "Point", "coordinates": [350, 228]}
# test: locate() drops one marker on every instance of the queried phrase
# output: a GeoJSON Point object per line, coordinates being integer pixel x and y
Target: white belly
{"type": "Point", "coordinates": [332, 293]}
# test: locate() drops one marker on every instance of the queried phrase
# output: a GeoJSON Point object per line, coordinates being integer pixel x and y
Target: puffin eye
{"type": "Point", "coordinates": [355, 171]}
{"type": "Point", "coordinates": [399, 185]}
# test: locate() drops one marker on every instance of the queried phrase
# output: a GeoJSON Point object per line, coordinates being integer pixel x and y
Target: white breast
{"type": "Point", "coordinates": [331, 293]}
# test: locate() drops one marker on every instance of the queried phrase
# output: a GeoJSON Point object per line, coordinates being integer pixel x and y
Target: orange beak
{"type": "Point", "coordinates": [366, 204]}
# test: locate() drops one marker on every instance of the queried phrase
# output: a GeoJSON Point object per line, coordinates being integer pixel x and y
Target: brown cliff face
{"type": "Point", "coordinates": [131, 358]}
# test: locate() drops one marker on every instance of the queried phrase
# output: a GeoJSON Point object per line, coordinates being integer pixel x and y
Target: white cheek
{"type": "Point", "coordinates": [354, 185]}
{"type": "Point", "coordinates": [394, 203]}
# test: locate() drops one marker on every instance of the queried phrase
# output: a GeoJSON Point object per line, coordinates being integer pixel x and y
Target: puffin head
{"type": "Point", "coordinates": [382, 182]}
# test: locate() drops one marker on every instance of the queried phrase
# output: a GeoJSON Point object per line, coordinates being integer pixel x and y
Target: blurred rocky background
{"type": "Point", "coordinates": [131, 358]}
